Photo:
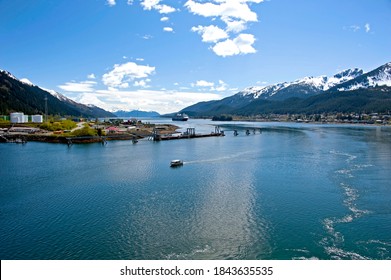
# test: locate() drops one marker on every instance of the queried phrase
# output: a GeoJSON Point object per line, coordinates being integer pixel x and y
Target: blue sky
{"type": "Point", "coordinates": [166, 55]}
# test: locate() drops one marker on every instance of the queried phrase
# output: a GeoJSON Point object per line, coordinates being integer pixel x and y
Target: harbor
{"type": "Point", "coordinates": [235, 197]}
{"type": "Point", "coordinates": [98, 132]}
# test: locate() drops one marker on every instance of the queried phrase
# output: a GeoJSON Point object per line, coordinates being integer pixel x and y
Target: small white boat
{"type": "Point", "coordinates": [176, 162]}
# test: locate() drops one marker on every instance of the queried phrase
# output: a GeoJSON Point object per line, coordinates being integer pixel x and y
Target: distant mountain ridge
{"type": "Point", "coordinates": [136, 114]}
{"type": "Point", "coordinates": [287, 97]}
{"type": "Point", "coordinates": [23, 96]}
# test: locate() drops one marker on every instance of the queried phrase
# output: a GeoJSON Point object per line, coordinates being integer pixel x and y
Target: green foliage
{"type": "Point", "coordinates": [2, 121]}
{"type": "Point", "coordinates": [60, 125]}
{"type": "Point", "coordinates": [85, 131]}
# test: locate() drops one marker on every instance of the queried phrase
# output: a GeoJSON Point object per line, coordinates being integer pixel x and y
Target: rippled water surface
{"type": "Point", "coordinates": [291, 192]}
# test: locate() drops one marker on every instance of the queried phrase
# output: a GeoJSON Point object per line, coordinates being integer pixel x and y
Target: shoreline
{"type": "Point", "coordinates": [167, 132]}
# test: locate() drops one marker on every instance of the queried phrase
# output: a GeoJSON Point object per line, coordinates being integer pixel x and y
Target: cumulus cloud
{"type": "Point", "coordinates": [154, 5]}
{"type": "Point", "coordinates": [164, 19]}
{"type": "Point", "coordinates": [356, 28]}
{"type": "Point", "coordinates": [225, 9]}
{"type": "Point", "coordinates": [242, 44]}
{"type": "Point", "coordinates": [220, 86]}
{"type": "Point", "coordinates": [202, 83]}
{"type": "Point", "coordinates": [142, 83]}
{"type": "Point", "coordinates": [210, 33]}
{"type": "Point", "coordinates": [235, 26]}
{"type": "Point", "coordinates": [111, 2]}
{"type": "Point", "coordinates": [235, 14]}
{"type": "Point", "coordinates": [123, 73]}
{"type": "Point", "coordinates": [367, 27]}
{"type": "Point", "coordinates": [147, 100]}
{"type": "Point", "coordinates": [85, 86]}
{"type": "Point", "coordinates": [168, 29]}
{"type": "Point", "coordinates": [91, 76]}
{"type": "Point", "coordinates": [149, 4]}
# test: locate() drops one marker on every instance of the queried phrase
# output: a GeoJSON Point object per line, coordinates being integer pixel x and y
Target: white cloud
{"type": "Point", "coordinates": [154, 5]}
{"type": "Point", "coordinates": [235, 14]}
{"type": "Point", "coordinates": [165, 9]}
{"type": "Point", "coordinates": [147, 100]}
{"type": "Point", "coordinates": [226, 9]}
{"type": "Point", "coordinates": [123, 73]}
{"type": "Point", "coordinates": [142, 83]}
{"type": "Point", "coordinates": [202, 83]}
{"type": "Point", "coordinates": [88, 98]}
{"type": "Point", "coordinates": [235, 26]}
{"type": "Point", "coordinates": [356, 28]}
{"type": "Point", "coordinates": [353, 28]}
{"type": "Point", "coordinates": [91, 76]}
{"type": "Point", "coordinates": [168, 29]}
{"type": "Point", "coordinates": [111, 2]}
{"type": "Point", "coordinates": [221, 87]}
{"type": "Point", "coordinates": [210, 33]}
{"type": "Point", "coordinates": [86, 86]}
{"type": "Point", "coordinates": [165, 19]}
{"type": "Point", "coordinates": [149, 4]}
{"type": "Point", "coordinates": [242, 44]}
{"type": "Point", "coordinates": [367, 27]}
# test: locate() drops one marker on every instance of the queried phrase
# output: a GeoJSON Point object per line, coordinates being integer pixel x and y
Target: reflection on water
{"type": "Point", "coordinates": [293, 191]}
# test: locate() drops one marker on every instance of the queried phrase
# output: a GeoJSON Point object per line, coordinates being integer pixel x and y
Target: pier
{"type": "Point", "coordinates": [189, 134]}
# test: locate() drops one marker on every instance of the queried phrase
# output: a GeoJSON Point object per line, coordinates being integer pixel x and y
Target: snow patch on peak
{"type": "Point", "coordinates": [349, 73]}
{"type": "Point", "coordinates": [8, 74]}
{"type": "Point", "coordinates": [26, 81]}
{"type": "Point", "coordinates": [383, 78]}
{"type": "Point", "coordinates": [251, 90]}
{"type": "Point", "coordinates": [57, 95]}
{"type": "Point", "coordinates": [265, 91]}
{"type": "Point", "coordinates": [318, 82]}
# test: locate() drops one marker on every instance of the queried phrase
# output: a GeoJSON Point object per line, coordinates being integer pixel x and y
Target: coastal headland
{"type": "Point", "coordinates": [83, 131]}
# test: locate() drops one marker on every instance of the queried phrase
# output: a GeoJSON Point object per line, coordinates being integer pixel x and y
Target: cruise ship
{"type": "Point", "coordinates": [180, 117]}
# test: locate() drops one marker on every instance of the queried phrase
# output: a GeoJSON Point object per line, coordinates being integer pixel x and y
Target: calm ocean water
{"type": "Point", "coordinates": [294, 191]}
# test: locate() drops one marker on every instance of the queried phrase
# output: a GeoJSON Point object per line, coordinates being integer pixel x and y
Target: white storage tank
{"type": "Point", "coordinates": [16, 117]}
{"type": "Point", "coordinates": [37, 118]}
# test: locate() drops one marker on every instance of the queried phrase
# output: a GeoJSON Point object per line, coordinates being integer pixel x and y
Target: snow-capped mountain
{"type": "Point", "coordinates": [379, 77]}
{"type": "Point", "coordinates": [307, 86]}
{"type": "Point", "coordinates": [282, 97]}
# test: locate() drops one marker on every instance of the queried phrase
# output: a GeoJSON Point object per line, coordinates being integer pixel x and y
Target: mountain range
{"type": "Point", "coordinates": [136, 114]}
{"type": "Point", "coordinates": [350, 90]}
{"type": "Point", "coordinates": [23, 96]}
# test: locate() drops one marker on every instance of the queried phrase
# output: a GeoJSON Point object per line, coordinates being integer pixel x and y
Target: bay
{"type": "Point", "coordinates": [287, 191]}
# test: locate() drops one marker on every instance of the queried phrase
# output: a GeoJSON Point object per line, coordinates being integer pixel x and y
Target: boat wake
{"type": "Point", "coordinates": [334, 241]}
{"type": "Point", "coordinates": [223, 158]}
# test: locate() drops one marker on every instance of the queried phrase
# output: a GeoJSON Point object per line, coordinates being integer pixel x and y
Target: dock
{"type": "Point", "coordinates": [184, 136]}
{"type": "Point", "coordinates": [189, 134]}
